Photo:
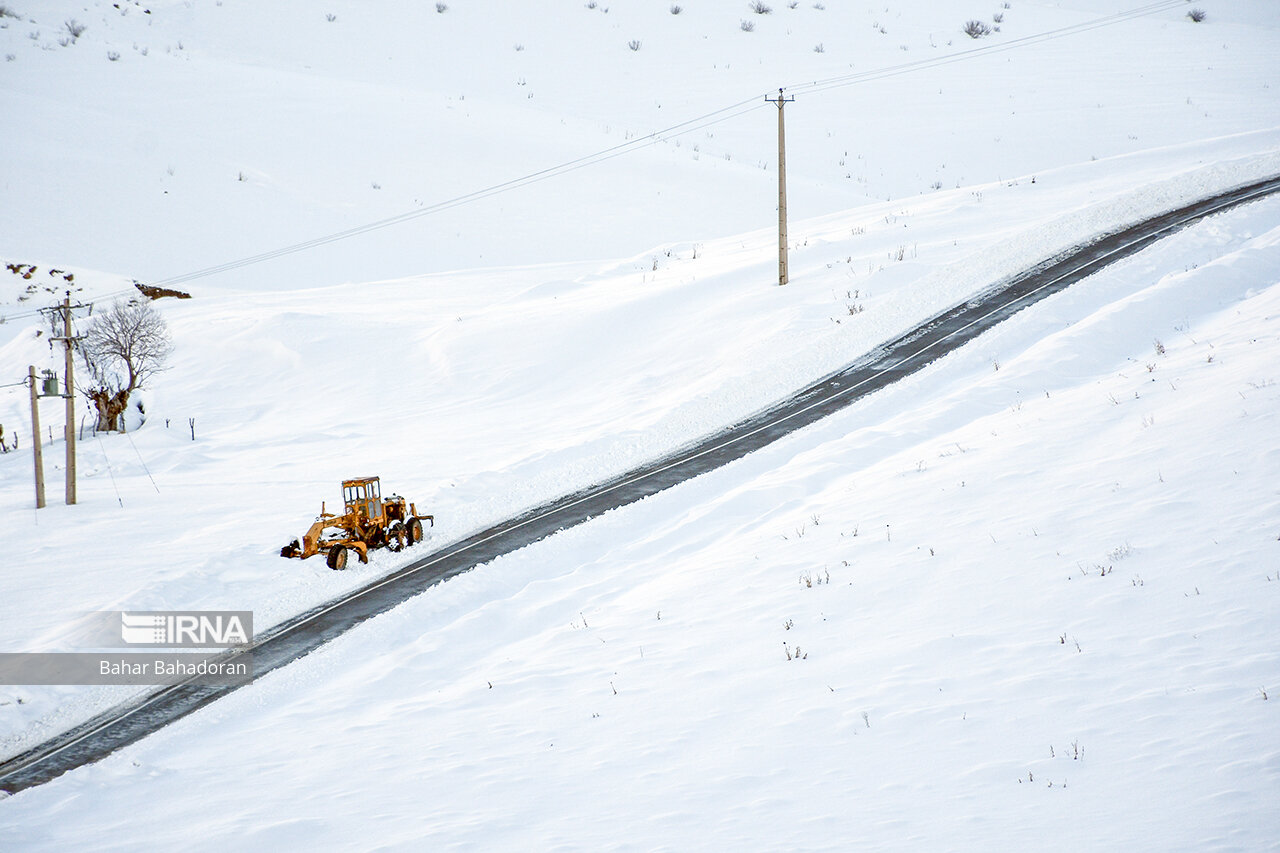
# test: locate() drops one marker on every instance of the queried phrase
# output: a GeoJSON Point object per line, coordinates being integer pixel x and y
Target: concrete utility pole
{"type": "Point", "coordinates": [35, 439]}
{"type": "Point", "coordinates": [782, 187]}
{"type": "Point", "coordinates": [70, 390]}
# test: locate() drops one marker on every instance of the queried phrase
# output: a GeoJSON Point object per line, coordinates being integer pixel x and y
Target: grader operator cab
{"type": "Point", "coordinates": [368, 521]}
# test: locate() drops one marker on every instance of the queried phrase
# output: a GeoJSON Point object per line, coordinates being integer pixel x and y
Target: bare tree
{"type": "Point", "coordinates": [122, 348]}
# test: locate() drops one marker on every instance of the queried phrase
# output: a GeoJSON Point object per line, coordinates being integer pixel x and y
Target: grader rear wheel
{"type": "Point", "coordinates": [337, 558]}
{"type": "Point", "coordinates": [414, 531]}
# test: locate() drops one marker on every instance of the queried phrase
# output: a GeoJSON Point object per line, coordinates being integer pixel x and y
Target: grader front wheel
{"type": "Point", "coordinates": [337, 558]}
{"type": "Point", "coordinates": [414, 531]}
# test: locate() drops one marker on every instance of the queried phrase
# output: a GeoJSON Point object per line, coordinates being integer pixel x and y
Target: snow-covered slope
{"type": "Point", "coordinates": [482, 357]}
{"type": "Point", "coordinates": [1029, 607]}
{"type": "Point", "coordinates": [224, 130]}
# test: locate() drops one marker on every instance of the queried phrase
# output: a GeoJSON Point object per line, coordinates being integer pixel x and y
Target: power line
{"type": "Point", "coordinates": [986, 50]}
{"type": "Point", "coordinates": [709, 119]}
{"type": "Point", "coordinates": [653, 138]}
{"type": "Point", "coordinates": [706, 120]}
{"type": "Point", "coordinates": [683, 128]}
{"type": "Point", "coordinates": [144, 464]}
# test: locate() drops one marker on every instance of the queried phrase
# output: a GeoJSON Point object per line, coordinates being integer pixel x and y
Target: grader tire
{"type": "Point", "coordinates": [395, 537]}
{"type": "Point", "coordinates": [337, 558]}
{"type": "Point", "coordinates": [413, 531]}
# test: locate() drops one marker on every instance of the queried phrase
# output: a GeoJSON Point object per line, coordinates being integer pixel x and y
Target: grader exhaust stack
{"type": "Point", "coordinates": [368, 521]}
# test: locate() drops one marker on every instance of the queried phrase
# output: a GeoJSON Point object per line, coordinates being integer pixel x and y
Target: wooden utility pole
{"type": "Point", "coordinates": [782, 187]}
{"type": "Point", "coordinates": [35, 439]}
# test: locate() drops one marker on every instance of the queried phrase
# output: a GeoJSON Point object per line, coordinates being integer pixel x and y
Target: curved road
{"type": "Point", "coordinates": [882, 366]}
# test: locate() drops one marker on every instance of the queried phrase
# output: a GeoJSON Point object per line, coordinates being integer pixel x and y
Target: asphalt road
{"type": "Point", "coordinates": [886, 364]}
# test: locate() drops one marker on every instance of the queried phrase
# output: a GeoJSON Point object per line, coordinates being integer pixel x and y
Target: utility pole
{"type": "Point", "coordinates": [35, 440]}
{"type": "Point", "coordinates": [69, 392]}
{"type": "Point", "coordinates": [782, 187]}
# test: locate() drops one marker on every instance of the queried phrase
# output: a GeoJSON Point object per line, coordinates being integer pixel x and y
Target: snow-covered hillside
{"type": "Point", "coordinates": [1049, 559]}
{"type": "Point", "coordinates": [1024, 607]}
{"type": "Point", "coordinates": [225, 130]}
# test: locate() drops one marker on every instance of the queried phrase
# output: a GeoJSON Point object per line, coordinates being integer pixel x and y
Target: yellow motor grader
{"type": "Point", "coordinates": [370, 521]}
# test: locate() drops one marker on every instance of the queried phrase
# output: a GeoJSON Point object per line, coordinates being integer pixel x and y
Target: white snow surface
{"type": "Point", "coordinates": [1046, 567]}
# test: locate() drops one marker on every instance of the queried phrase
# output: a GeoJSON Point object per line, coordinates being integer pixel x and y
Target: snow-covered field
{"type": "Point", "coordinates": [1024, 600]}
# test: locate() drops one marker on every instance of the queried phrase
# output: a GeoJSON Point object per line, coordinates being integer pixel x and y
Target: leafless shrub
{"type": "Point", "coordinates": [747, 26]}
{"type": "Point", "coordinates": [634, 44]}
{"type": "Point", "coordinates": [74, 28]}
{"type": "Point", "coordinates": [441, 8]}
{"type": "Point", "coordinates": [1120, 553]}
{"type": "Point", "coordinates": [113, 55]}
{"type": "Point", "coordinates": [760, 7]}
{"type": "Point", "coordinates": [676, 10]}
{"type": "Point", "coordinates": [976, 29]}
{"type": "Point", "coordinates": [1197, 15]}
{"type": "Point", "coordinates": [794, 654]}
